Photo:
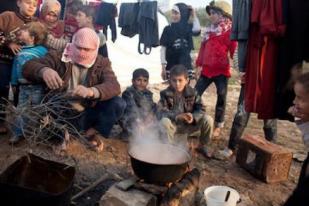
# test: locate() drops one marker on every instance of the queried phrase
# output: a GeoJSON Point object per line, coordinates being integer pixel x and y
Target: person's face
{"type": "Point", "coordinates": [27, 7]}
{"type": "Point", "coordinates": [51, 17]}
{"type": "Point", "coordinates": [214, 16]}
{"type": "Point", "coordinates": [140, 83]}
{"type": "Point", "coordinates": [25, 37]}
{"type": "Point", "coordinates": [301, 100]}
{"type": "Point", "coordinates": [179, 82]}
{"type": "Point", "coordinates": [82, 19]}
{"type": "Point", "coordinates": [175, 17]}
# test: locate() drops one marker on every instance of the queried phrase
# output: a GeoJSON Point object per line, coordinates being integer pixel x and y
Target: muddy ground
{"type": "Point", "coordinates": [114, 159]}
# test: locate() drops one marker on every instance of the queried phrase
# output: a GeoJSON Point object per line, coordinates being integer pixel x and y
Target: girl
{"type": "Point", "coordinates": [213, 57]}
{"type": "Point", "coordinates": [176, 40]}
{"type": "Point", "coordinates": [300, 111]}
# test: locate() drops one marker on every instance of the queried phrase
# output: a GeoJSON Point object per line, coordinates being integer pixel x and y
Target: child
{"type": "Point", "coordinates": [85, 17]}
{"type": "Point", "coordinates": [10, 23]}
{"type": "Point", "coordinates": [300, 111]}
{"type": "Point", "coordinates": [32, 35]}
{"type": "Point", "coordinates": [181, 109]}
{"type": "Point", "coordinates": [176, 40]}
{"type": "Point", "coordinates": [213, 57]}
{"type": "Point", "coordinates": [140, 105]}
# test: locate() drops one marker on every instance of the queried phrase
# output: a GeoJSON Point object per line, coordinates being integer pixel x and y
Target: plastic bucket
{"type": "Point", "coordinates": [221, 196]}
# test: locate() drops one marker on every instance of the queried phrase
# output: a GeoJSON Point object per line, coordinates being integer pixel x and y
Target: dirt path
{"type": "Point", "coordinates": [114, 159]}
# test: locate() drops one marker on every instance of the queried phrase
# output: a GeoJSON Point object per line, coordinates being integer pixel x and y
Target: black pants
{"type": "Point", "coordinates": [221, 82]}
{"type": "Point", "coordinates": [5, 77]}
{"type": "Point", "coordinates": [241, 120]}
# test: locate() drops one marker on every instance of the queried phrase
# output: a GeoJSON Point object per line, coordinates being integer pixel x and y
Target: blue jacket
{"type": "Point", "coordinates": [27, 53]}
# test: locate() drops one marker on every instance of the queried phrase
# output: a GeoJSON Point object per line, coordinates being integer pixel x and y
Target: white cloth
{"type": "Point", "coordinates": [304, 128]}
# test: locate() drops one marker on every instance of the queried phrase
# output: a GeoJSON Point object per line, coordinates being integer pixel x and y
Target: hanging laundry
{"type": "Point", "coordinates": [148, 26]}
{"type": "Point", "coordinates": [266, 26]}
{"type": "Point", "coordinates": [106, 14]}
{"type": "Point", "coordinates": [140, 18]}
{"type": "Point", "coordinates": [128, 19]}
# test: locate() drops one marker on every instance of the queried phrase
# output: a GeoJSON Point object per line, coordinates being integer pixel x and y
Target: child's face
{"type": "Point", "coordinates": [25, 37]}
{"type": "Point", "coordinates": [51, 17]}
{"type": "Point", "coordinates": [140, 83]}
{"type": "Point", "coordinates": [27, 7]}
{"type": "Point", "coordinates": [214, 16]}
{"type": "Point", "coordinates": [175, 17]}
{"type": "Point", "coordinates": [82, 19]}
{"type": "Point", "coordinates": [301, 101]}
{"type": "Point", "coordinates": [179, 82]}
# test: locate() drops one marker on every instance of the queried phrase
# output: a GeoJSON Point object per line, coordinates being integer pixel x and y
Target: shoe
{"type": "Point", "coordinates": [15, 139]}
{"type": "Point", "coordinates": [204, 151]}
{"type": "Point", "coordinates": [224, 154]}
{"type": "Point", "coordinates": [216, 132]}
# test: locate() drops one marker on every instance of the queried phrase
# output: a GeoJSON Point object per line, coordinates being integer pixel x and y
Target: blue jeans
{"type": "Point", "coordinates": [241, 120]}
{"type": "Point", "coordinates": [5, 77]}
{"type": "Point", "coordinates": [103, 115]}
{"type": "Point", "coordinates": [221, 82]}
{"type": "Point", "coordinates": [28, 95]}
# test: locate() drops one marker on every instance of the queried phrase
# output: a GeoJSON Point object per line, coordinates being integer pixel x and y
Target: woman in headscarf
{"type": "Point", "coordinates": [50, 17]}
{"type": "Point", "coordinates": [176, 40]}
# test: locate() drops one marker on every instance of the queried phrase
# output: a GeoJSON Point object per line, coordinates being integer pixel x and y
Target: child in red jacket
{"type": "Point", "coordinates": [213, 57]}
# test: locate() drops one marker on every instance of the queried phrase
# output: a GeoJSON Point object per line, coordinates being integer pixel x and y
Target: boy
{"type": "Point", "coordinates": [140, 105]}
{"type": "Point", "coordinates": [85, 17]}
{"type": "Point", "coordinates": [10, 23]}
{"type": "Point", "coordinates": [32, 35]}
{"type": "Point", "coordinates": [181, 109]}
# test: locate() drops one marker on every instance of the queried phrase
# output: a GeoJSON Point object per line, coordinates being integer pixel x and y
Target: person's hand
{"type": "Point", "coordinates": [52, 79]}
{"type": "Point", "coordinates": [163, 72]}
{"type": "Point", "coordinates": [82, 91]}
{"type": "Point", "coordinates": [15, 48]}
{"type": "Point", "coordinates": [188, 118]}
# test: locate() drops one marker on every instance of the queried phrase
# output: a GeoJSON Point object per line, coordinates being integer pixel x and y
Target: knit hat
{"type": "Point", "coordinates": [50, 6]}
{"type": "Point", "coordinates": [84, 38]}
{"type": "Point", "coordinates": [223, 6]}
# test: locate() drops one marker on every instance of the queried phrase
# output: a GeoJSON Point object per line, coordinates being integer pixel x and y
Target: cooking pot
{"type": "Point", "coordinates": [158, 163]}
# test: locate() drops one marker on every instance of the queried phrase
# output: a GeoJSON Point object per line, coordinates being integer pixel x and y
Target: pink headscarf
{"type": "Point", "coordinates": [85, 38]}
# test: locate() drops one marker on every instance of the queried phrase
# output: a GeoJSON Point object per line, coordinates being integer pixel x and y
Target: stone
{"type": "Point", "coordinates": [132, 197]}
{"type": "Point", "coordinates": [265, 160]}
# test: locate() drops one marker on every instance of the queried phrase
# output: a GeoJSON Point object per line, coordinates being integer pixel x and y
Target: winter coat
{"type": "Point", "coordinates": [100, 75]}
{"type": "Point", "coordinates": [213, 55]}
{"type": "Point", "coordinates": [170, 105]}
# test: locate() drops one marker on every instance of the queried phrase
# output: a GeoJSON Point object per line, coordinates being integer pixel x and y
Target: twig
{"type": "Point", "coordinates": [101, 179]}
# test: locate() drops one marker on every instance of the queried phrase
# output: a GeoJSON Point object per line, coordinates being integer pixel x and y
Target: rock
{"type": "Point", "coordinates": [132, 197]}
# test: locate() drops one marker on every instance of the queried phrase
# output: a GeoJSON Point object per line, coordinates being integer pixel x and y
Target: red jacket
{"type": "Point", "coordinates": [213, 55]}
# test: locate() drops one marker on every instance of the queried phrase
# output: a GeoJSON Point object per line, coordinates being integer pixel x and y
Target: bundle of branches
{"type": "Point", "coordinates": [49, 122]}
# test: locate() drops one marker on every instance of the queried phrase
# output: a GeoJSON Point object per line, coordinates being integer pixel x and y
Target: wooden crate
{"type": "Point", "coordinates": [265, 160]}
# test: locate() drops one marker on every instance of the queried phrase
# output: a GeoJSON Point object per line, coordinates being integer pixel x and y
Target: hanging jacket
{"type": "Point", "coordinates": [106, 14]}
{"type": "Point", "coordinates": [128, 19]}
{"type": "Point", "coordinates": [148, 26]}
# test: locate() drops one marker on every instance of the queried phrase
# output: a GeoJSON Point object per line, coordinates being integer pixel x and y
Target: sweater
{"type": "Point", "coordinates": [10, 23]}
{"type": "Point", "coordinates": [27, 53]}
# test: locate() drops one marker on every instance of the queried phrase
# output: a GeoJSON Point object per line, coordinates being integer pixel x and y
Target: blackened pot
{"type": "Point", "coordinates": [159, 163]}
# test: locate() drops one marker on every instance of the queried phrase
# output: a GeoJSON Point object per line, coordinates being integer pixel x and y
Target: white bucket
{"type": "Point", "coordinates": [217, 195]}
